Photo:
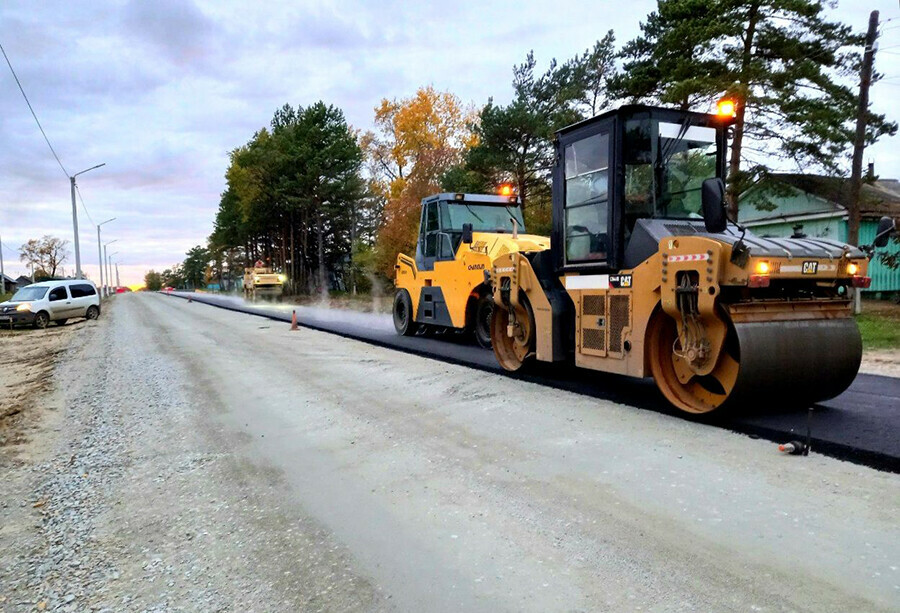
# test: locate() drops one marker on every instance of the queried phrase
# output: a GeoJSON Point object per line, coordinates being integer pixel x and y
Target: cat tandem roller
{"type": "Point", "coordinates": [645, 276]}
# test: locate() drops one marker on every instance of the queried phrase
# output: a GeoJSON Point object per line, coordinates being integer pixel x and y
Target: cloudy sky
{"type": "Point", "coordinates": [161, 90]}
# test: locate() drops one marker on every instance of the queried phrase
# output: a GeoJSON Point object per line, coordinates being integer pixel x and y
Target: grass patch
{"type": "Point", "coordinates": [5, 297]}
{"type": "Point", "coordinates": [879, 324]}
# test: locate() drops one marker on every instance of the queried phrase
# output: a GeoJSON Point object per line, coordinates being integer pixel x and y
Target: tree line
{"type": "Point", "coordinates": [331, 206]}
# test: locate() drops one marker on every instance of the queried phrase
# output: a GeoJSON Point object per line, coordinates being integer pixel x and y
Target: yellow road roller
{"type": "Point", "coordinates": [444, 287]}
{"type": "Point", "coordinates": [646, 276]}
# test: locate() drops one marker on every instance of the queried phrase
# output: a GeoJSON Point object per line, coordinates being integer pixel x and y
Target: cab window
{"type": "Point", "coordinates": [587, 199]}
{"type": "Point", "coordinates": [57, 293]}
{"type": "Point", "coordinates": [431, 228]}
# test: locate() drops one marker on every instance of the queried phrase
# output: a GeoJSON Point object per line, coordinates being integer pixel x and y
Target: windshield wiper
{"type": "Point", "coordinates": [474, 214]}
{"type": "Point", "coordinates": [669, 151]}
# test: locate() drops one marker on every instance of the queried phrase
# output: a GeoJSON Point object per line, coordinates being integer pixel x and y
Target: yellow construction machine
{"type": "Point", "coordinates": [262, 281]}
{"type": "Point", "coordinates": [445, 286]}
{"type": "Point", "coordinates": [646, 276]}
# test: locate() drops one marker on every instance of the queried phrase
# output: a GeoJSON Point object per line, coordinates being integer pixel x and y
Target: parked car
{"type": "Point", "coordinates": [40, 303]}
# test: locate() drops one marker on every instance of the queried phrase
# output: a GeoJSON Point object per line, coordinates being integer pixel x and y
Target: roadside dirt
{"type": "Point", "coordinates": [27, 362]}
{"type": "Point", "coordinates": [881, 362]}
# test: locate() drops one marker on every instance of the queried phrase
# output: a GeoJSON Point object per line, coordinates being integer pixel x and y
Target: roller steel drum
{"type": "Point", "coordinates": [784, 363]}
{"type": "Point", "coordinates": [801, 362]}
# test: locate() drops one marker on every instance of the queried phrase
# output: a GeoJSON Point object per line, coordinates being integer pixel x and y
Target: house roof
{"type": "Point", "coordinates": [877, 198]}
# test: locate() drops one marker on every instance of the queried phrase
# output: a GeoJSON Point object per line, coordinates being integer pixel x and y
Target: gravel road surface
{"type": "Point", "coordinates": [205, 460]}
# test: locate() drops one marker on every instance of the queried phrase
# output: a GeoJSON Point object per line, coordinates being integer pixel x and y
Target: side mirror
{"type": "Point", "coordinates": [886, 227]}
{"type": "Point", "coordinates": [713, 193]}
{"type": "Point", "coordinates": [467, 233]}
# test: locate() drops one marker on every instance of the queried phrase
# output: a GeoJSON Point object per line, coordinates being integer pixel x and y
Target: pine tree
{"type": "Point", "coordinates": [783, 63]}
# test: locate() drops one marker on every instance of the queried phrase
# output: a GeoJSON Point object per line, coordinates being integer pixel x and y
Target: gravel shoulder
{"type": "Point", "coordinates": [207, 460]}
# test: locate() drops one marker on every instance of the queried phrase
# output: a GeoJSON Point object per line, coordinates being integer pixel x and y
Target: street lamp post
{"type": "Point", "coordinates": [109, 267]}
{"type": "Point", "coordinates": [2, 271]}
{"type": "Point", "coordinates": [106, 263]}
{"type": "Point", "coordinates": [78, 274]}
{"type": "Point", "coordinates": [100, 257]}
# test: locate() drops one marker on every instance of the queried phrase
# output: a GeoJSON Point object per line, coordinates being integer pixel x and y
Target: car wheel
{"type": "Point", "coordinates": [61, 322]}
{"type": "Point", "coordinates": [41, 320]}
{"type": "Point", "coordinates": [92, 313]}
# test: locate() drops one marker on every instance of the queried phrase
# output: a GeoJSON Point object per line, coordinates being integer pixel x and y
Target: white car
{"type": "Point", "coordinates": [40, 303]}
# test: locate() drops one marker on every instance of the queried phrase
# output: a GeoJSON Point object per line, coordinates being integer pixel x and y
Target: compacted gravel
{"type": "Point", "coordinates": [134, 515]}
{"type": "Point", "coordinates": [193, 459]}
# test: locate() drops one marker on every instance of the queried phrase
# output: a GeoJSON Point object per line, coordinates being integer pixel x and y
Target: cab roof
{"type": "Point", "coordinates": [630, 109]}
{"type": "Point", "coordinates": [472, 198]}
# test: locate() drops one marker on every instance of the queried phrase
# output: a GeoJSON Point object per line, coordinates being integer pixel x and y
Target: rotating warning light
{"type": "Point", "coordinates": [506, 189]}
{"type": "Point", "coordinates": [726, 108]}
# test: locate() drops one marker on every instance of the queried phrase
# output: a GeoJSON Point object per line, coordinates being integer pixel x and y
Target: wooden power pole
{"type": "Point", "coordinates": [859, 144]}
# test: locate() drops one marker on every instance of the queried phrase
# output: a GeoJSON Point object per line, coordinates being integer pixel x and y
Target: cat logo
{"type": "Point", "coordinates": [620, 281]}
{"type": "Point", "coordinates": [810, 268]}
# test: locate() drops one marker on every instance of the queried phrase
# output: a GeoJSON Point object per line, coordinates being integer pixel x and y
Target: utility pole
{"type": "Point", "coordinates": [109, 269]}
{"type": "Point", "coordinates": [859, 144]}
{"type": "Point", "coordinates": [118, 284]}
{"type": "Point", "coordinates": [75, 226]}
{"type": "Point", "coordinates": [78, 274]}
{"type": "Point", "coordinates": [106, 263]}
{"type": "Point", "coordinates": [100, 257]}
{"type": "Point", "coordinates": [2, 271]}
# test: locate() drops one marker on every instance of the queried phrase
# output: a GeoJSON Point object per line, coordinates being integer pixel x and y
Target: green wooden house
{"type": "Point", "coordinates": [809, 205]}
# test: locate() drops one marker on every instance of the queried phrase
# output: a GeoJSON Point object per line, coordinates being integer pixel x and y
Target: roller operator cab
{"type": "Point", "coordinates": [646, 277]}
{"type": "Point", "coordinates": [444, 286]}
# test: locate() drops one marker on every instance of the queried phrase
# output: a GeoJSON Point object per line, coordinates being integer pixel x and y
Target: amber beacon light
{"type": "Point", "coordinates": [725, 107]}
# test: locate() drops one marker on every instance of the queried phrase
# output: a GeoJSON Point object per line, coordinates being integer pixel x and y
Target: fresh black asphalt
{"type": "Point", "coordinates": [860, 425]}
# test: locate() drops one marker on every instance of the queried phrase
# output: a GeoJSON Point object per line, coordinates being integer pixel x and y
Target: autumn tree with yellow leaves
{"type": "Point", "coordinates": [416, 140]}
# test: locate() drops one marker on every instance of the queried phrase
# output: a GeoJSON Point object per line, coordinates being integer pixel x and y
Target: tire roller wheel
{"type": "Point", "coordinates": [403, 314]}
{"type": "Point", "coordinates": [762, 363]}
{"type": "Point", "coordinates": [513, 352]}
{"type": "Point", "coordinates": [484, 311]}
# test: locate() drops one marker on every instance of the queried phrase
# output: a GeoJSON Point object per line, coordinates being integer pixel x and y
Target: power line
{"type": "Point", "coordinates": [78, 191]}
{"type": "Point", "coordinates": [10, 251]}
{"type": "Point", "coordinates": [33, 114]}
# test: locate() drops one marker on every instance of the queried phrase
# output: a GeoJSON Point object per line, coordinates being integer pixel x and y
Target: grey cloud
{"type": "Point", "coordinates": [176, 28]}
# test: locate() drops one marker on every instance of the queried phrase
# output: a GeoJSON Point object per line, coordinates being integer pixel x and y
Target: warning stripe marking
{"type": "Point", "coordinates": [693, 257]}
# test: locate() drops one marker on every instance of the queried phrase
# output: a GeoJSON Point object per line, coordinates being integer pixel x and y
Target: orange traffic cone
{"type": "Point", "coordinates": [294, 325]}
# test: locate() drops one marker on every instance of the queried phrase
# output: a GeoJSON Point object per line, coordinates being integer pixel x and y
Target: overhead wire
{"type": "Point", "coordinates": [78, 191]}
{"type": "Point", "coordinates": [43, 133]}
{"type": "Point", "coordinates": [33, 114]}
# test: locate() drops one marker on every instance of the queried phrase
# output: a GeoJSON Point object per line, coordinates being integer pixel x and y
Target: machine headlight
{"type": "Point", "coordinates": [25, 306]}
{"type": "Point", "coordinates": [762, 268]}
{"type": "Point", "coordinates": [852, 268]}
{"type": "Point", "coordinates": [282, 278]}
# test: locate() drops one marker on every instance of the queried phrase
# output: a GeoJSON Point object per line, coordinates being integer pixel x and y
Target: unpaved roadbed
{"type": "Point", "coordinates": [214, 461]}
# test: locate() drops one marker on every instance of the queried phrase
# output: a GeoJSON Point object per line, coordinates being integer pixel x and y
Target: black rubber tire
{"type": "Point", "coordinates": [481, 328]}
{"type": "Point", "coordinates": [403, 314]}
{"type": "Point", "coordinates": [41, 320]}
{"type": "Point", "coordinates": [92, 312]}
{"type": "Point", "coordinates": [61, 322]}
